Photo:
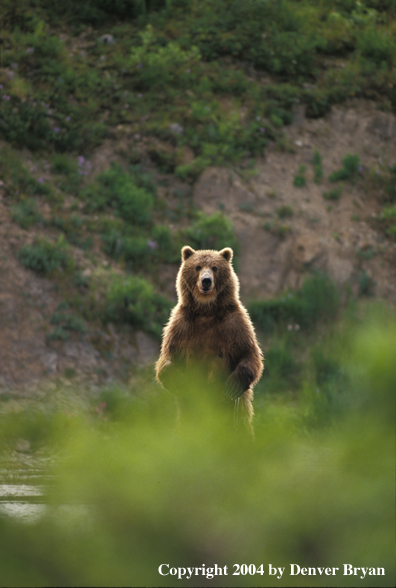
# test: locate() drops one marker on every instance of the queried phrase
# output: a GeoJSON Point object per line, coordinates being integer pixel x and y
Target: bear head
{"type": "Point", "coordinates": [206, 275]}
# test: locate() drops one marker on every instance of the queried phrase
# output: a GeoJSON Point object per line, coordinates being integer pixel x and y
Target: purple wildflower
{"type": "Point", "coordinates": [30, 50]}
{"type": "Point", "coordinates": [140, 65]}
{"type": "Point", "coordinates": [40, 180]}
{"type": "Point", "coordinates": [152, 244]}
{"type": "Point", "coordinates": [56, 130]}
{"type": "Point", "coordinates": [5, 97]}
{"type": "Point", "coordinates": [139, 95]}
{"type": "Point", "coordinates": [262, 130]}
{"type": "Point", "coordinates": [68, 118]}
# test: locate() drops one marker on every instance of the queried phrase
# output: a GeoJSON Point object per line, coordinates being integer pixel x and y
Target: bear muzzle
{"type": "Point", "coordinates": [205, 283]}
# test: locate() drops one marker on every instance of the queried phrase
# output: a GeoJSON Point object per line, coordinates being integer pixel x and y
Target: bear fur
{"type": "Point", "coordinates": [210, 328]}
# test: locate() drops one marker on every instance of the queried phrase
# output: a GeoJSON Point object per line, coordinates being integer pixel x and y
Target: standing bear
{"type": "Point", "coordinates": [209, 341]}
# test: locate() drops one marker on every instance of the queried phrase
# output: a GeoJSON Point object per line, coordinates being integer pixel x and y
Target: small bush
{"type": "Point", "coordinates": [317, 300]}
{"type": "Point", "coordinates": [130, 299]}
{"type": "Point", "coordinates": [67, 321]}
{"type": "Point", "coordinates": [285, 211]}
{"type": "Point", "coordinates": [366, 284]}
{"type": "Point", "coordinates": [44, 257]}
{"type": "Point", "coordinates": [212, 232]}
{"type": "Point", "coordinates": [58, 334]}
{"type": "Point", "coordinates": [333, 194]}
{"type": "Point", "coordinates": [275, 228]}
{"type": "Point", "coordinates": [25, 213]}
{"type": "Point", "coordinates": [135, 251]}
{"type": "Point", "coordinates": [299, 179]}
{"type": "Point", "coordinates": [62, 164]}
{"type": "Point", "coordinates": [155, 67]}
{"type": "Point", "coordinates": [349, 170]}
{"type": "Point", "coordinates": [317, 164]}
{"type": "Point", "coordinates": [281, 368]}
{"type": "Point", "coordinates": [117, 189]}
{"type": "Point", "coordinates": [377, 45]}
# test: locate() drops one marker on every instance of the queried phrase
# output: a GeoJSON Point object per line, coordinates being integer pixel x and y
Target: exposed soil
{"type": "Point", "coordinates": [337, 236]}
{"type": "Point", "coordinates": [320, 234]}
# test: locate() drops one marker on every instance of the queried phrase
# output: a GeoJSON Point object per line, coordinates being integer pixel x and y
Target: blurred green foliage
{"type": "Point", "coordinates": [132, 489]}
{"type": "Point", "coordinates": [317, 300]}
{"type": "Point", "coordinates": [25, 213]}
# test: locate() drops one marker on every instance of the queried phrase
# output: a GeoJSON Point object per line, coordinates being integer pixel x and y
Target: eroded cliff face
{"type": "Point", "coordinates": [285, 231]}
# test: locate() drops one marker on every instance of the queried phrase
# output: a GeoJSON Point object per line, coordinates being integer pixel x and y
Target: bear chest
{"type": "Point", "coordinates": [206, 340]}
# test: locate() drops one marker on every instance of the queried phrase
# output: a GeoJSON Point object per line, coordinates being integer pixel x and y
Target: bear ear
{"type": "Point", "coordinates": [227, 253]}
{"type": "Point", "coordinates": [187, 252]}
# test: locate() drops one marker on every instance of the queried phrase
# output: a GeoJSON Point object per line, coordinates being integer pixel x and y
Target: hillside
{"type": "Point", "coordinates": [128, 132]}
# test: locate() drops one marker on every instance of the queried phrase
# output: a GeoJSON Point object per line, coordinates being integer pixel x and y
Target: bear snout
{"type": "Point", "coordinates": [206, 281]}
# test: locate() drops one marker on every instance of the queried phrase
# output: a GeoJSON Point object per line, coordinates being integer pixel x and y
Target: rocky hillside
{"type": "Point", "coordinates": [126, 135]}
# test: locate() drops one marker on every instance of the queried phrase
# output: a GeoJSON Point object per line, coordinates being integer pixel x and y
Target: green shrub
{"type": "Point", "coordinates": [317, 163]}
{"type": "Point", "coordinates": [20, 182]}
{"type": "Point", "coordinates": [366, 284]}
{"type": "Point", "coordinates": [211, 232]}
{"type": "Point", "coordinates": [299, 179]}
{"type": "Point", "coordinates": [165, 245]}
{"type": "Point", "coordinates": [349, 170]}
{"type": "Point", "coordinates": [67, 321]}
{"type": "Point", "coordinates": [389, 212]}
{"type": "Point", "coordinates": [135, 251]}
{"type": "Point", "coordinates": [155, 67]}
{"type": "Point", "coordinates": [117, 189]}
{"type": "Point", "coordinates": [63, 164]}
{"type": "Point", "coordinates": [25, 213]}
{"type": "Point", "coordinates": [333, 194]}
{"type": "Point", "coordinates": [44, 257]}
{"type": "Point", "coordinates": [285, 211]}
{"type": "Point", "coordinates": [130, 299]}
{"type": "Point", "coordinates": [377, 45]}
{"type": "Point", "coordinates": [316, 300]}
{"type": "Point", "coordinates": [282, 370]}
{"type": "Point", "coordinates": [58, 334]}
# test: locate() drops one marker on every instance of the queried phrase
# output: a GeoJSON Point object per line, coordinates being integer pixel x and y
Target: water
{"type": "Point", "coordinates": [23, 489]}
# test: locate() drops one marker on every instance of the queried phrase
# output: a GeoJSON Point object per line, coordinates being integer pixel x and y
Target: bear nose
{"type": "Point", "coordinates": [206, 283]}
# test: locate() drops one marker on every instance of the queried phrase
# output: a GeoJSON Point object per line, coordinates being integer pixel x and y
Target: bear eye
{"type": "Point", "coordinates": [214, 269]}
{"type": "Point", "coordinates": [198, 268]}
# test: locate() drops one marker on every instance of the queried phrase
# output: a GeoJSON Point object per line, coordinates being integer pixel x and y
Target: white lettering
{"type": "Point", "coordinates": [273, 571]}
{"type": "Point", "coordinates": [160, 569]}
{"type": "Point", "coordinates": [294, 569]}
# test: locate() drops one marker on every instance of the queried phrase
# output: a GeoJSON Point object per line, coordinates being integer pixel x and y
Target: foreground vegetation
{"type": "Point", "coordinates": [130, 489]}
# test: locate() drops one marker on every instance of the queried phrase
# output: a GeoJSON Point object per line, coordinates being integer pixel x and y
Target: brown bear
{"type": "Point", "coordinates": [210, 328]}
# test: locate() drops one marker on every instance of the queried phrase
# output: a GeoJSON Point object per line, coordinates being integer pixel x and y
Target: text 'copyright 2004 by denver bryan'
{"type": "Point", "coordinates": [244, 570]}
